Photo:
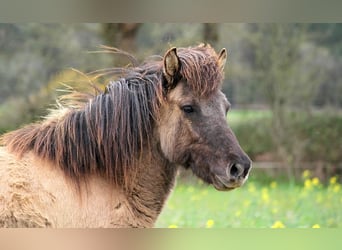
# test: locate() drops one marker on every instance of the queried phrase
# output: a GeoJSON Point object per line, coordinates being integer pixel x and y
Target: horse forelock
{"type": "Point", "coordinates": [200, 68]}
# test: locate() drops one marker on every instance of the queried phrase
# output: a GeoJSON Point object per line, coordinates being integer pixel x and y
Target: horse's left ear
{"type": "Point", "coordinates": [171, 65]}
{"type": "Point", "coordinates": [222, 58]}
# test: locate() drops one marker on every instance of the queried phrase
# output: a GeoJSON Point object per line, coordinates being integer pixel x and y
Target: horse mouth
{"type": "Point", "coordinates": [224, 184]}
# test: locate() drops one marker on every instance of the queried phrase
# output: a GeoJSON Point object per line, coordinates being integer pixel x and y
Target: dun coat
{"type": "Point", "coordinates": [111, 160]}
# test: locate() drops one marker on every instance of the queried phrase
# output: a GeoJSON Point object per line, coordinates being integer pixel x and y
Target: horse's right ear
{"type": "Point", "coordinates": [171, 65]}
{"type": "Point", "coordinates": [222, 58]}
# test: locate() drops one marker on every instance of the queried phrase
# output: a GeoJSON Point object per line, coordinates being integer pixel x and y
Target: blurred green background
{"type": "Point", "coordinates": [285, 85]}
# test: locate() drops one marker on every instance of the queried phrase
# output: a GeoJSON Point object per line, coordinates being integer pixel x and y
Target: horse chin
{"type": "Point", "coordinates": [223, 188]}
{"type": "Point", "coordinates": [223, 184]}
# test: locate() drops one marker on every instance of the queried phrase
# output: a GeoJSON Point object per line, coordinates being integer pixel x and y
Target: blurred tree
{"type": "Point", "coordinates": [211, 33]}
{"type": "Point", "coordinates": [156, 38]}
{"type": "Point", "coordinates": [318, 55]}
{"type": "Point", "coordinates": [121, 35]}
{"type": "Point", "coordinates": [288, 70]}
{"type": "Point", "coordinates": [328, 35]}
{"type": "Point", "coordinates": [33, 53]}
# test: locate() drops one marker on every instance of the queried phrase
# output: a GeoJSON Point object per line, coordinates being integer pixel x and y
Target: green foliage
{"type": "Point", "coordinates": [37, 105]}
{"type": "Point", "coordinates": [33, 53]}
{"type": "Point", "coordinates": [155, 37]}
{"type": "Point", "coordinates": [255, 205]}
{"type": "Point", "coordinates": [282, 64]}
{"type": "Point", "coordinates": [323, 132]}
{"type": "Point", "coordinates": [10, 119]}
{"type": "Point", "coordinates": [318, 132]}
{"type": "Point", "coordinates": [252, 130]}
{"type": "Point", "coordinates": [16, 112]}
{"type": "Point", "coordinates": [328, 34]}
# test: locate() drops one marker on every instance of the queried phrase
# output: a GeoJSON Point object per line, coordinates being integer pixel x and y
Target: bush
{"type": "Point", "coordinates": [17, 111]}
{"type": "Point", "coordinates": [321, 132]}
{"type": "Point", "coordinates": [254, 136]}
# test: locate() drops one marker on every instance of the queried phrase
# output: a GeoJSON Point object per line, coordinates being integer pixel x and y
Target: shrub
{"type": "Point", "coordinates": [322, 133]}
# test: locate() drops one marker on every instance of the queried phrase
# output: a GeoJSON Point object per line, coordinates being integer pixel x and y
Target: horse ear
{"type": "Point", "coordinates": [222, 58]}
{"type": "Point", "coordinates": [171, 65]}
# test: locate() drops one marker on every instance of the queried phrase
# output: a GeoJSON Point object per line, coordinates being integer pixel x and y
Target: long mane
{"type": "Point", "coordinates": [107, 133]}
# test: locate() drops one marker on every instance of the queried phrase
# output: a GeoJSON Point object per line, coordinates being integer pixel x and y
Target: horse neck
{"type": "Point", "coordinates": [153, 183]}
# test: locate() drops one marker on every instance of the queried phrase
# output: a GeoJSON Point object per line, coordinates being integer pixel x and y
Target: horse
{"type": "Point", "coordinates": [111, 159]}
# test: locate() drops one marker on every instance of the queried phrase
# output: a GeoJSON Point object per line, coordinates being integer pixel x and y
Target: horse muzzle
{"type": "Point", "coordinates": [234, 176]}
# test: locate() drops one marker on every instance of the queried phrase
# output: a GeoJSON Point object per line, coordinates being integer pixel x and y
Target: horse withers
{"type": "Point", "coordinates": [111, 161]}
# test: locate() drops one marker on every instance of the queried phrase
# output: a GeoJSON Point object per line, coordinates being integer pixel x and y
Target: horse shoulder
{"type": "Point", "coordinates": [22, 199]}
{"type": "Point", "coordinates": [36, 194]}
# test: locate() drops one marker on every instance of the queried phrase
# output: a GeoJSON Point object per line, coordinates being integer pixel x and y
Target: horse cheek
{"type": "Point", "coordinates": [167, 133]}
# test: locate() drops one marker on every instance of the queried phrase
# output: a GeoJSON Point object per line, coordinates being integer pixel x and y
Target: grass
{"type": "Point", "coordinates": [309, 204]}
{"type": "Point", "coordinates": [237, 116]}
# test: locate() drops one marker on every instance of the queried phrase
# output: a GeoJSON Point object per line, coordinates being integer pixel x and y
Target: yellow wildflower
{"type": "Point", "coordinates": [273, 184]}
{"type": "Point", "coordinates": [307, 184]}
{"type": "Point", "coordinates": [316, 226]}
{"type": "Point", "coordinates": [204, 192]}
{"type": "Point", "coordinates": [278, 224]}
{"type": "Point", "coordinates": [315, 181]}
{"type": "Point", "coordinates": [331, 221]}
{"type": "Point", "coordinates": [274, 210]}
{"type": "Point", "coordinates": [210, 223]}
{"type": "Point", "coordinates": [251, 188]}
{"type": "Point", "coordinates": [195, 198]}
{"type": "Point", "coordinates": [264, 195]}
{"type": "Point", "coordinates": [238, 213]}
{"type": "Point", "coordinates": [333, 180]}
{"type": "Point", "coordinates": [173, 226]}
{"type": "Point", "coordinates": [336, 188]}
{"type": "Point", "coordinates": [306, 174]}
{"type": "Point", "coordinates": [246, 203]}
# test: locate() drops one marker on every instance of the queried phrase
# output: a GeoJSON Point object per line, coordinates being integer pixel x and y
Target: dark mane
{"type": "Point", "coordinates": [107, 134]}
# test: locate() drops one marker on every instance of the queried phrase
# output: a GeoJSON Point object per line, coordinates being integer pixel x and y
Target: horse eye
{"type": "Point", "coordinates": [188, 109]}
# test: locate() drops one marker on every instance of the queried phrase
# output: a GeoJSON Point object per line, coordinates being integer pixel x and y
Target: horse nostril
{"type": "Point", "coordinates": [235, 170]}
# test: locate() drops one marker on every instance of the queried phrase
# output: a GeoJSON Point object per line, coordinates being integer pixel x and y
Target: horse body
{"type": "Point", "coordinates": [111, 160]}
{"type": "Point", "coordinates": [33, 193]}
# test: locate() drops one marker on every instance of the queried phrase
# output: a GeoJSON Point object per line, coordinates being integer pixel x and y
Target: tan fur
{"type": "Point", "coordinates": [34, 194]}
